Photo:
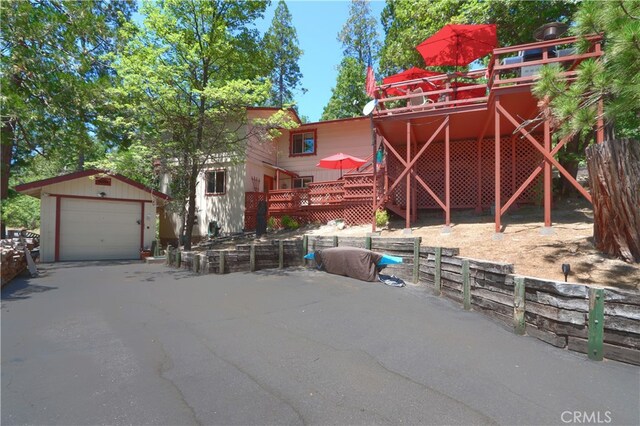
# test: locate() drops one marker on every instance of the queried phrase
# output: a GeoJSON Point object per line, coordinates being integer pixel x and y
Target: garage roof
{"type": "Point", "coordinates": [33, 188]}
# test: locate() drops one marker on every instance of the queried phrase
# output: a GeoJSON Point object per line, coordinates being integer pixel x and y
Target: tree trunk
{"type": "Point", "coordinates": [6, 141]}
{"type": "Point", "coordinates": [191, 207]}
{"type": "Point", "coordinates": [614, 174]}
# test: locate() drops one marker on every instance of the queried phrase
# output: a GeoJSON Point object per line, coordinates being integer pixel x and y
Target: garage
{"type": "Point", "coordinates": [92, 230]}
{"type": "Point", "coordinates": [94, 215]}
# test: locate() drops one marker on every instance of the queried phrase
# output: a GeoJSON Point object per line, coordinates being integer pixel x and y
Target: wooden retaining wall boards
{"type": "Point", "coordinates": [245, 257]}
{"type": "Point", "coordinates": [602, 322]}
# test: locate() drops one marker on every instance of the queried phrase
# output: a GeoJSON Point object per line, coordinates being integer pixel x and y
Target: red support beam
{"type": "Point", "coordinates": [513, 163]}
{"type": "Point", "coordinates": [141, 225]}
{"type": "Point", "coordinates": [413, 161]}
{"type": "Point", "coordinates": [547, 155]}
{"type": "Point", "coordinates": [447, 176]}
{"type": "Point", "coordinates": [56, 256]}
{"type": "Point", "coordinates": [408, 195]}
{"type": "Point", "coordinates": [532, 176]}
{"type": "Point", "coordinates": [497, 165]}
{"type": "Point", "coordinates": [547, 176]}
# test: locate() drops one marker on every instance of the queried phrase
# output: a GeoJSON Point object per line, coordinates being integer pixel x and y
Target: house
{"type": "Point", "coordinates": [94, 215]}
{"type": "Point", "coordinates": [474, 140]}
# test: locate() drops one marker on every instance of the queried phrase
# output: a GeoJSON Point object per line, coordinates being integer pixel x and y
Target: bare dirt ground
{"type": "Point", "coordinates": [521, 243]}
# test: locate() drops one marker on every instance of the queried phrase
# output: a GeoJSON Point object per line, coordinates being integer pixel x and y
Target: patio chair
{"type": "Point", "coordinates": [419, 100]}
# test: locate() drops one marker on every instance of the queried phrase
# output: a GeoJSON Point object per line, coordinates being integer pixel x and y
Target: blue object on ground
{"type": "Point", "coordinates": [389, 260]}
{"type": "Point", "coordinates": [386, 259]}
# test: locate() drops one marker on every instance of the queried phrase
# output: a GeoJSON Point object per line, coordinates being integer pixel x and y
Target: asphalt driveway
{"type": "Point", "coordinates": [129, 343]}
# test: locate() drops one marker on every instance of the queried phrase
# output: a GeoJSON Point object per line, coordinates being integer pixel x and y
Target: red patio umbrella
{"type": "Point", "coordinates": [410, 74]}
{"type": "Point", "coordinates": [458, 45]}
{"type": "Point", "coordinates": [339, 161]}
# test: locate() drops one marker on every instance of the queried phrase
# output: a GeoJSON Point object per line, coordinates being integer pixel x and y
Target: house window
{"type": "Point", "coordinates": [302, 181]}
{"type": "Point", "coordinates": [216, 182]}
{"type": "Point", "coordinates": [303, 143]}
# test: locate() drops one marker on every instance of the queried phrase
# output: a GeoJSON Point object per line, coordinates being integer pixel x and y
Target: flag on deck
{"type": "Point", "coordinates": [370, 82]}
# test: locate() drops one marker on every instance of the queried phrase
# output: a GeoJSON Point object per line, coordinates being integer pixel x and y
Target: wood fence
{"type": "Point", "coordinates": [602, 322]}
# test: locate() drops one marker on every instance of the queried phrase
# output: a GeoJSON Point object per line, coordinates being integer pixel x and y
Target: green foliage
{"type": "Point", "coordinates": [289, 223]}
{"type": "Point", "coordinates": [134, 162]}
{"type": "Point", "coordinates": [382, 217]}
{"type": "Point", "coordinates": [21, 211]}
{"type": "Point", "coordinates": [282, 55]}
{"type": "Point", "coordinates": [272, 223]}
{"type": "Point", "coordinates": [358, 36]}
{"type": "Point", "coordinates": [187, 77]}
{"type": "Point", "coordinates": [348, 96]}
{"type": "Point", "coordinates": [407, 23]}
{"type": "Point", "coordinates": [361, 46]}
{"type": "Point", "coordinates": [615, 79]}
{"type": "Point", "coordinates": [53, 77]}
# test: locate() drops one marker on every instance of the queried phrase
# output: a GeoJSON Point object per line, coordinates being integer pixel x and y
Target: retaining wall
{"type": "Point", "coordinates": [600, 321]}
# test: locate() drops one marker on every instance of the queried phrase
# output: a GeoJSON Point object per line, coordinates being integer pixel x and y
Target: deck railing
{"type": "Point", "coordinates": [457, 92]}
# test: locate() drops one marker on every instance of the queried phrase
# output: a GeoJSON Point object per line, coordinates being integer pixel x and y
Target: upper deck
{"type": "Point", "coordinates": [466, 97]}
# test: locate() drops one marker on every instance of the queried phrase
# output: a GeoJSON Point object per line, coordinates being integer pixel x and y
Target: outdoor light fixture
{"type": "Point", "coordinates": [566, 268]}
{"type": "Point", "coordinates": [102, 194]}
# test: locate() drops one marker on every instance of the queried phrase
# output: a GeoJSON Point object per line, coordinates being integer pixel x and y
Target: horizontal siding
{"type": "Point", "coordinates": [348, 137]}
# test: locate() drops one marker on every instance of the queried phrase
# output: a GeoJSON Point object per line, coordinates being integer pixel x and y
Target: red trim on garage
{"type": "Point", "coordinates": [84, 173]}
{"type": "Point", "coordinates": [141, 225]}
{"type": "Point", "coordinates": [57, 237]}
{"type": "Point", "coordinates": [86, 197]}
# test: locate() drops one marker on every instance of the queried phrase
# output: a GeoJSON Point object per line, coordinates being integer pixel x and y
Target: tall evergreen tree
{"type": "Point", "coordinates": [348, 96]}
{"type": "Point", "coordinates": [282, 55]}
{"type": "Point", "coordinates": [359, 36]}
{"type": "Point", "coordinates": [53, 74]}
{"type": "Point", "coordinates": [361, 46]}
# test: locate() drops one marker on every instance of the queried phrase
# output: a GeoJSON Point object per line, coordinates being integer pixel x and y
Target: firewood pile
{"type": "Point", "coordinates": [14, 261]}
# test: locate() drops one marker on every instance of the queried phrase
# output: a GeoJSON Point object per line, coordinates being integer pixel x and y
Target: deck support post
{"type": "Point", "coordinates": [374, 162]}
{"type": "Point", "coordinates": [547, 176]}
{"type": "Point", "coordinates": [497, 166]}
{"type": "Point", "coordinates": [408, 180]}
{"type": "Point", "coordinates": [447, 177]}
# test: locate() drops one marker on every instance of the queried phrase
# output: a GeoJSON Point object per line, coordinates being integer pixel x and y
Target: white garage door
{"type": "Point", "coordinates": [96, 229]}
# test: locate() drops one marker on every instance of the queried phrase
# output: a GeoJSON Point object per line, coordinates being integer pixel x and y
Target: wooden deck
{"type": "Point", "coordinates": [467, 140]}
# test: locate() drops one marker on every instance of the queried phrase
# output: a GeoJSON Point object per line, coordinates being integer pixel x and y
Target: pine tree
{"type": "Point", "coordinates": [361, 46]}
{"type": "Point", "coordinates": [348, 96]}
{"type": "Point", "coordinates": [614, 80]}
{"type": "Point", "coordinates": [283, 53]}
{"type": "Point", "coordinates": [358, 36]}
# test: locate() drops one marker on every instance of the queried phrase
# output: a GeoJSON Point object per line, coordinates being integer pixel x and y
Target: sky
{"type": "Point", "coordinates": [318, 24]}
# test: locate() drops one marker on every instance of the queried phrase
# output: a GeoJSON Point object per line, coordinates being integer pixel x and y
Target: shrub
{"type": "Point", "coordinates": [382, 217]}
{"type": "Point", "coordinates": [289, 223]}
{"type": "Point", "coordinates": [272, 223]}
